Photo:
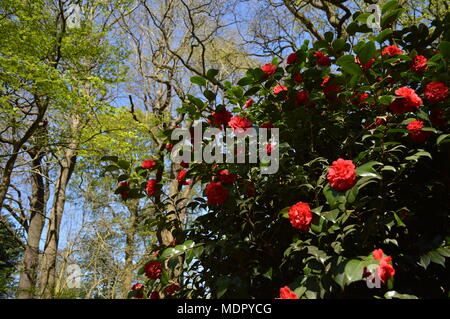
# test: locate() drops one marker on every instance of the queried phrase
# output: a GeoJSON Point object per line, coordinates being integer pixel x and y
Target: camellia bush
{"type": "Point", "coordinates": [359, 207]}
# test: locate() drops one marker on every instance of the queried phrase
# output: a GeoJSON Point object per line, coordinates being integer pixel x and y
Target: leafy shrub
{"type": "Point", "coordinates": [370, 104]}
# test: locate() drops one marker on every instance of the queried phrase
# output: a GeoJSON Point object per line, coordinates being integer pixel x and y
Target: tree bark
{"type": "Point", "coordinates": [130, 247]}
{"type": "Point", "coordinates": [28, 275]}
{"type": "Point", "coordinates": [165, 234]}
{"type": "Point", "coordinates": [67, 165]}
{"type": "Point", "coordinates": [17, 146]}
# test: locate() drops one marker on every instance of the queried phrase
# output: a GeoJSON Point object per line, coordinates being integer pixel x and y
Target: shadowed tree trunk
{"type": "Point", "coordinates": [177, 216]}
{"type": "Point", "coordinates": [130, 246]}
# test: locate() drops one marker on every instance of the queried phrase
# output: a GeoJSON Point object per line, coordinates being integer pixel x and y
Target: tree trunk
{"type": "Point", "coordinates": [28, 275]}
{"type": "Point", "coordinates": [130, 232]}
{"type": "Point", "coordinates": [164, 234]}
{"type": "Point", "coordinates": [67, 164]}
{"type": "Point", "coordinates": [37, 123]}
{"type": "Point", "coordinates": [48, 272]}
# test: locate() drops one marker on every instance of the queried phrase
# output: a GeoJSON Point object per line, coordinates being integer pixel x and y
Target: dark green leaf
{"type": "Point", "coordinates": [386, 99]}
{"type": "Point", "coordinates": [111, 168]}
{"type": "Point", "coordinates": [252, 91]}
{"type": "Point", "coordinates": [338, 44]}
{"type": "Point", "coordinates": [424, 261]}
{"type": "Point", "coordinates": [367, 52]}
{"type": "Point", "coordinates": [210, 95]}
{"type": "Point", "coordinates": [329, 36]}
{"type": "Point", "coordinates": [245, 81]}
{"type": "Point", "coordinates": [444, 49]}
{"type": "Point", "coordinates": [384, 35]}
{"type": "Point", "coordinates": [211, 74]}
{"type": "Point", "coordinates": [347, 63]}
{"type": "Point", "coordinates": [109, 158]}
{"type": "Point", "coordinates": [198, 80]}
{"type": "Point", "coordinates": [393, 4]}
{"type": "Point", "coordinates": [437, 258]}
{"type": "Point", "coordinates": [123, 164]}
{"type": "Point", "coordinates": [390, 17]}
{"type": "Point", "coordinates": [284, 212]}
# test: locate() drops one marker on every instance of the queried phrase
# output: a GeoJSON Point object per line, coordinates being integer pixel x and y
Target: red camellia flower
{"type": "Point", "coordinates": [124, 194]}
{"type": "Point", "coordinates": [325, 81]}
{"type": "Point", "coordinates": [153, 270]}
{"type": "Point", "coordinates": [322, 59]}
{"type": "Point", "coordinates": [377, 254]}
{"type": "Point", "coordinates": [409, 102]}
{"type": "Point", "coordinates": [269, 148]}
{"type": "Point", "coordinates": [418, 63]}
{"type": "Point", "coordinates": [378, 121]}
{"type": "Point", "coordinates": [152, 187]}
{"type": "Point", "coordinates": [391, 50]}
{"type": "Point", "coordinates": [248, 104]}
{"type": "Point", "coordinates": [173, 288]}
{"type": "Point", "coordinates": [385, 271]}
{"type": "Point", "coordinates": [415, 125]}
{"type": "Point", "coordinates": [342, 175]}
{"type": "Point", "coordinates": [239, 124]}
{"type": "Point", "coordinates": [269, 69]}
{"type": "Point", "coordinates": [292, 58]}
{"type": "Point", "coordinates": [399, 106]}
{"type": "Point", "coordinates": [410, 95]}
{"type": "Point", "coordinates": [297, 78]}
{"type": "Point", "coordinates": [436, 92]}
{"type": "Point", "coordinates": [148, 164]}
{"type": "Point", "coordinates": [302, 97]}
{"type": "Point", "coordinates": [279, 88]}
{"type": "Point", "coordinates": [221, 117]}
{"type": "Point", "coordinates": [286, 293]}
{"type": "Point", "coordinates": [249, 188]}
{"type": "Point", "coordinates": [154, 295]}
{"type": "Point", "coordinates": [216, 193]}
{"type": "Point", "coordinates": [367, 65]}
{"type": "Point", "coordinates": [437, 117]}
{"type": "Point", "coordinates": [390, 80]}
{"type": "Point", "coordinates": [300, 216]}
{"type": "Point", "coordinates": [359, 97]}
{"type": "Point", "coordinates": [124, 184]}
{"type": "Point", "coordinates": [184, 165]}
{"type": "Point", "coordinates": [225, 176]}
{"type": "Point", "coordinates": [138, 287]}
{"type": "Point", "coordinates": [169, 147]}
{"type": "Point", "coordinates": [403, 214]}
{"type": "Point", "coordinates": [173, 243]}
{"type": "Point", "coordinates": [181, 177]}
{"type": "Point", "coordinates": [267, 125]}
{"type": "Point", "coordinates": [329, 89]}
{"type": "Point", "coordinates": [417, 135]}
